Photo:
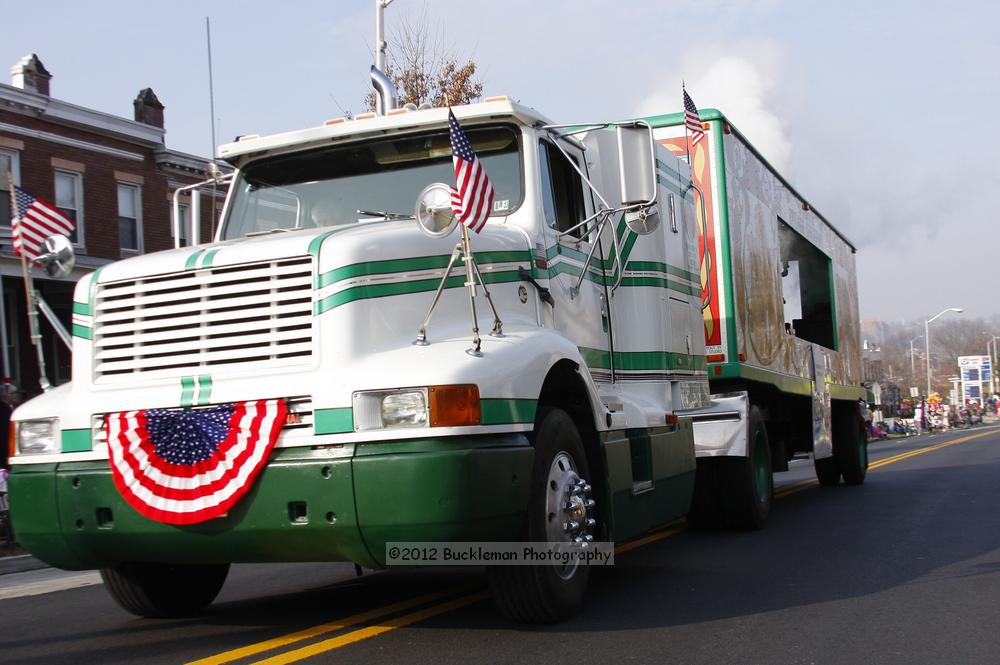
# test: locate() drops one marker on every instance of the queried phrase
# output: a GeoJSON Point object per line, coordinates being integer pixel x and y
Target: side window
{"type": "Point", "coordinates": [806, 289]}
{"type": "Point", "coordinates": [8, 164]}
{"type": "Point", "coordinates": [562, 190]}
{"type": "Point", "coordinates": [69, 200]}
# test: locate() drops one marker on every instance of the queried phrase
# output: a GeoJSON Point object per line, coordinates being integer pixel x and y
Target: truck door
{"type": "Point", "coordinates": [582, 310]}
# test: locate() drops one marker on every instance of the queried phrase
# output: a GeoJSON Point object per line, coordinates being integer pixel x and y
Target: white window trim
{"type": "Point", "coordinates": [185, 232]}
{"type": "Point", "coordinates": [137, 190]}
{"type": "Point", "coordinates": [81, 240]}
{"type": "Point", "coordinates": [15, 163]}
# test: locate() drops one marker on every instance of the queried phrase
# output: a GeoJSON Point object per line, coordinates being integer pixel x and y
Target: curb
{"type": "Point", "coordinates": [20, 564]}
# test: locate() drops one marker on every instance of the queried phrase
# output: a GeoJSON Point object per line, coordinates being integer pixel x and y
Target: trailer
{"type": "Point", "coordinates": [779, 302]}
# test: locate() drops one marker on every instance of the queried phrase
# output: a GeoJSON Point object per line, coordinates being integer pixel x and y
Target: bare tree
{"type": "Point", "coordinates": [426, 69]}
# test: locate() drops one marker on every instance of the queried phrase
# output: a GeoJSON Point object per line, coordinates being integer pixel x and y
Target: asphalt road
{"type": "Point", "coordinates": [904, 569]}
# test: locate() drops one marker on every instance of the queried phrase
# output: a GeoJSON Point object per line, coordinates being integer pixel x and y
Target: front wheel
{"type": "Point", "coordinates": [161, 590]}
{"type": "Point", "coordinates": [559, 510]}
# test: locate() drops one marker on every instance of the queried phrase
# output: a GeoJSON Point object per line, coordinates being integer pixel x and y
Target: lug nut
{"type": "Point", "coordinates": [587, 538]}
{"type": "Point", "coordinates": [571, 525]}
{"type": "Point", "coordinates": [589, 503]}
{"type": "Point", "coordinates": [587, 488]}
{"type": "Point", "coordinates": [590, 523]}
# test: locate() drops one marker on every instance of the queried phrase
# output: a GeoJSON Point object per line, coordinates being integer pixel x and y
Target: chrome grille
{"type": "Point", "coordinates": [257, 314]}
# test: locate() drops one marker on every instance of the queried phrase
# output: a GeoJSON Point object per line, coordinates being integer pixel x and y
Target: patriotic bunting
{"type": "Point", "coordinates": [191, 465]}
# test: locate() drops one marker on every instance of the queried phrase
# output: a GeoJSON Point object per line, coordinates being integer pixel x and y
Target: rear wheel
{"type": "Point", "coordinates": [559, 509]}
{"type": "Point", "coordinates": [749, 484]}
{"type": "Point", "coordinates": [159, 590]}
{"type": "Point", "coordinates": [850, 446]}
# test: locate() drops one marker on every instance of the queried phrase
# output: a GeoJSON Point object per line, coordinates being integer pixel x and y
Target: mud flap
{"type": "Point", "coordinates": [821, 404]}
{"type": "Point", "coordinates": [720, 429]}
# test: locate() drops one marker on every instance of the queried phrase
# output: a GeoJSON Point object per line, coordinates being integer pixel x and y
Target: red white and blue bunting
{"type": "Point", "coordinates": [191, 465]}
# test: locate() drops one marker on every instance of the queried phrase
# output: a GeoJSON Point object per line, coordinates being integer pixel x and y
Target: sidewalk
{"type": "Point", "coordinates": [20, 563]}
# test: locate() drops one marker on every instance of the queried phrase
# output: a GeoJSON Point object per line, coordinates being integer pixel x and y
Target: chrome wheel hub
{"type": "Point", "coordinates": [568, 507]}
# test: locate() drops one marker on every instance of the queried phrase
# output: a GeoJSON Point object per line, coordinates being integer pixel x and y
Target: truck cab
{"type": "Point", "coordinates": [320, 291]}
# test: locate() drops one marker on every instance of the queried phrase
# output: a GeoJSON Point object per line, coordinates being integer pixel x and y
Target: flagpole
{"type": "Point", "coordinates": [470, 281]}
{"type": "Point", "coordinates": [29, 294]}
{"type": "Point", "coordinates": [687, 139]}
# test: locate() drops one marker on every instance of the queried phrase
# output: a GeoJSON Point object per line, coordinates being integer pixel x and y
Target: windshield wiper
{"type": "Point", "coordinates": [386, 215]}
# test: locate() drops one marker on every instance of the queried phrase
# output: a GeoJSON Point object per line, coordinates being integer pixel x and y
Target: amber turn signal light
{"type": "Point", "coordinates": [454, 406]}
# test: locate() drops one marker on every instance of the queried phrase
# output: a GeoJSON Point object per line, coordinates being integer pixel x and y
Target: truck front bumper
{"type": "Point", "coordinates": [307, 505]}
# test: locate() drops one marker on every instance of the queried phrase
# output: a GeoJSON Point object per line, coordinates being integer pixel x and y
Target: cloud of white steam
{"type": "Point", "coordinates": [740, 82]}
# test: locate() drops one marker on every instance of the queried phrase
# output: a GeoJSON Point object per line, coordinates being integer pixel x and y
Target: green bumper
{"type": "Point", "coordinates": [324, 504]}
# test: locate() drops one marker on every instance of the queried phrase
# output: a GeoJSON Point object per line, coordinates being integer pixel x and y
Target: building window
{"type": "Point", "coordinates": [9, 162]}
{"type": "Point", "coordinates": [69, 199]}
{"type": "Point", "coordinates": [185, 225]}
{"type": "Point", "coordinates": [129, 218]}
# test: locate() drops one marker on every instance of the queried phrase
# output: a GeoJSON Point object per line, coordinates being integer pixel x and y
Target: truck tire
{"type": "Point", "coordinates": [547, 594]}
{"type": "Point", "coordinates": [161, 590]}
{"type": "Point", "coordinates": [850, 447]}
{"type": "Point", "coordinates": [749, 486]}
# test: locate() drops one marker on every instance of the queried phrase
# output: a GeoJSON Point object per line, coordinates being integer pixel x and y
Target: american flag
{"type": "Point", "coordinates": [472, 196]}
{"type": "Point", "coordinates": [34, 221]}
{"type": "Point", "coordinates": [191, 465]}
{"type": "Point", "coordinates": [691, 119]}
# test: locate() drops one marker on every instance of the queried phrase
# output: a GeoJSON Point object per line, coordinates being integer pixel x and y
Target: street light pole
{"type": "Point", "coordinates": [927, 340]}
{"type": "Point", "coordinates": [993, 341]}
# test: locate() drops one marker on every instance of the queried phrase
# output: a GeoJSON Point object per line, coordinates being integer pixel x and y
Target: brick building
{"type": "Point", "coordinates": [114, 176]}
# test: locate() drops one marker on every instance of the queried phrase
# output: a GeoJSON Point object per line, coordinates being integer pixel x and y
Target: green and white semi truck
{"type": "Point", "coordinates": [337, 286]}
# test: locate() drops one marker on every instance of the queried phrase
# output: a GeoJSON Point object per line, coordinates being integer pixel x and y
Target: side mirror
{"type": "Point", "coordinates": [58, 259]}
{"type": "Point", "coordinates": [434, 213]}
{"type": "Point", "coordinates": [636, 165]}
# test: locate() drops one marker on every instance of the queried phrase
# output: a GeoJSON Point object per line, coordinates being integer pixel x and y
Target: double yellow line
{"type": "Point", "coordinates": [464, 597]}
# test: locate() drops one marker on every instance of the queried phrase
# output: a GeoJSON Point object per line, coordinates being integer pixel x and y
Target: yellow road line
{"type": "Point", "coordinates": [316, 631]}
{"type": "Point", "coordinates": [792, 489]}
{"type": "Point", "coordinates": [652, 538]}
{"type": "Point", "coordinates": [323, 646]}
{"type": "Point", "coordinates": [372, 631]}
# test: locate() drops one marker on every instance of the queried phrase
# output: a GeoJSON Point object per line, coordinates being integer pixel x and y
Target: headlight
{"type": "Point", "coordinates": [385, 409]}
{"type": "Point", "coordinates": [38, 437]}
{"type": "Point", "coordinates": [431, 406]}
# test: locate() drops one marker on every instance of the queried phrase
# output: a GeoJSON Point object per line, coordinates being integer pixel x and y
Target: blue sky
{"type": "Point", "coordinates": [880, 113]}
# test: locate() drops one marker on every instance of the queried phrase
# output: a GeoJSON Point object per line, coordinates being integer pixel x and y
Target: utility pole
{"type": "Point", "coordinates": [913, 371]}
{"type": "Point", "coordinates": [380, 43]}
{"type": "Point", "coordinates": [927, 340]}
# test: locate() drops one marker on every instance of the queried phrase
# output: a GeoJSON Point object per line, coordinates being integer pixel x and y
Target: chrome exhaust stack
{"type": "Point", "coordinates": [385, 91]}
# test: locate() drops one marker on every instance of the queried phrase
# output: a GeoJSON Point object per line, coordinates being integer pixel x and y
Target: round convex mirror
{"type": "Point", "coordinates": [644, 221]}
{"type": "Point", "coordinates": [58, 259]}
{"type": "Point", "coordinates": [434, 214]}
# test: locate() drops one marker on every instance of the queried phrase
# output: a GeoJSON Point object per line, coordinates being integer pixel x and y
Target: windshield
{"type": "Point", "coordinates": [329, 187]}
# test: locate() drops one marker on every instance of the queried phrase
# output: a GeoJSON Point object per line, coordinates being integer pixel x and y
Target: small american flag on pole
{"type": "Point", "coordinates": [190, 465]}
{"type": "Point", "coordinates": [692, 121]}
{"type": "Point", "coordinates": [34, 221]}
{"type": "Point", "coordinates": [472, 196]}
